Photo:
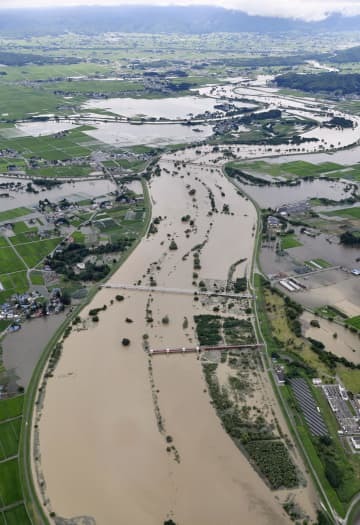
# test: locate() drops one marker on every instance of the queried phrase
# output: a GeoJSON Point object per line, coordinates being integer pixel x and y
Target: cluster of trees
{"type": "Point", "coordinates": [238, 331]}
{"type": "Point", "coordinates": [92, 272]}
{"type": "Point", "coordinates": [329, 82]}
{"type": "Point", "coordinates": [339, 122]}
{"type": "Point", "coordinates": [208, 329]}
{"type": "Point", "coordinates": [240, 285]}
{"type": "Point", "coordinates": [327, 451]}
{"type": "Point", "coordinates": [272, 114]}
{"type": "Point", "coordinates": [63, 261]}
{"type": "Point", "coordinates": [330, 359]}
{"type": "Point", "coordinates": [293, 311]}
{"type": "Point", "coordinates": [179, 86]}
{"type": "Point", "coordinates": [350, 238]}
{"type": "Point", "coordinates": [21, 59]}
{"type": "Point", "coordinates": [196, 261]}
{"type": "Point", "coordinates": [46, 183]}
{"type": "Point", "coordinates": [352, 54]}
{"type": "Point", "coordinates": [272, 458]}
{"type": "Point", "coordinates": [268, 454]}
{"type": "Point", "coordinates": [237, 173]}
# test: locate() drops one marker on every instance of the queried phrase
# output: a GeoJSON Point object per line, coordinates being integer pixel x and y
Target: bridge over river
{"type": "Point", "coordinates": [200, 349]}
{"type": "Point", "coordinates": [161, 289]}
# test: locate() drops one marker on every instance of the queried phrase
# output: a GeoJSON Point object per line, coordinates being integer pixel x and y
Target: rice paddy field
{"type": "Point", "coordinates": [14, 282]}
{"type": "Point", "coordinates": [9, 261]}
{"type": "Point", "coordinates": [20, 253]}
{"type": "Point", "coordinates": [75, 143]}
{"type": "Point", "coordinates": [12, 509]}
{"type": "Point", "coordinates": [302, 169]}
{"type": "Point", "coordinates": [354, 322]}
{"type": "Point", "coordinates": [14, 213]}
{"type": "Point", "coordinates": [351, 213]}
{"type": "Point", "coordinates": [34, 252]}
{"type": "Point", "coordinates": [289, 241]}
{"type": "Point", "coordinates": [124, 221]}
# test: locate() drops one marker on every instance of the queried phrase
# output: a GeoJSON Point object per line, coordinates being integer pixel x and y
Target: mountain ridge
{"type": "Point", "coordinates": [157, 19]}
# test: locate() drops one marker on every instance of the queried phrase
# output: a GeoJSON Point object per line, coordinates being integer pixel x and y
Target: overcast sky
{"type": "Point", "coordinates": [305, 9]}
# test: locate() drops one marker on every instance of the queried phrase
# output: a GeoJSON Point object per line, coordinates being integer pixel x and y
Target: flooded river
{"type": "Point", "coordinates": [110, 412]}
{"type": "Point", "coordinates": [100, 419]}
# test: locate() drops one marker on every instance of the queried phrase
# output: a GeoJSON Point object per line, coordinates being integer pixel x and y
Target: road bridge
{"type": "Point", "coordinates": [182, 291]}
{"type": "Point", "coordinates": [200, 349]}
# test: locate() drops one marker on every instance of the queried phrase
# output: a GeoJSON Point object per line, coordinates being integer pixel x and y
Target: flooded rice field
{"type": "Point", "coordinates": [168, 108]}
{"type": "Point", "coordinates": [73, 191]}
{"type": "Point", "coordinates": [274, 196]}
{"type": "Point", "coordinates": [319, 247]}
{"type": "Point", "coordinates": [343, 344]}
{"type": "Point", "coordinates": [21, 350]}
{"type": "Point", "coordinates": [36, 129]}
{"type": "Point", "coordinates": [124, 135]}
{"type": "Point", "coordinates": [335, 287]}
{"type": "Point", "coordinates": [347, 157]}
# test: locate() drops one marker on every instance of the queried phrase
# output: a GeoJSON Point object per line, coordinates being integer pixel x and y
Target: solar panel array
{"type": "Point", "coordinates": [307, 404]}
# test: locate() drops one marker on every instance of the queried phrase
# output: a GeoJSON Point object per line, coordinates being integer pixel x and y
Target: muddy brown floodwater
{"type": "Point", "coordinates": [103, 453]}
{"type": "Point", "coordinates": [21, 350]}
{"type": "Point", "coordinates": [344, 344]}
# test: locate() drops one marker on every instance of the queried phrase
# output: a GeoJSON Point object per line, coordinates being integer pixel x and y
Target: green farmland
{"type": "Point", "coordinates": [289, 241]}
{"type": "Point", "coordinates": [301, 169]}
{"type": "Point", "coordinates": [73, 144]}
{"type": "Point", "coordinates": [351, 213]}
{"type": "Point", "coordinates": [9, 438]}
{"type": "Point", "coordinates": [315, 263]}
{"type": "Point", "coordinates": [9, 261]}
{"type": "Point", "coordinates": [60, 171]}
{"type": "Point", "coordinates": [13, 214]}
{"type": "Point", "coordinates": [10, 485]}
{"type": "Point", "coordinates": [13, 283]}
{"type": "Point", "coordinates": [10, 488]}
{"type": "Point", "coordinates": [11, 408]}
{"type": "Point", "coordinates": [34, 252]}
{"type": "Point", "coordinates": [354, 322]}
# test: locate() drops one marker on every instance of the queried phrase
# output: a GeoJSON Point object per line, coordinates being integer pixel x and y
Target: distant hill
{"type": "Point", "coordinates": [152, 19]}
{"type": "Point", "coordinates": [330, 82]}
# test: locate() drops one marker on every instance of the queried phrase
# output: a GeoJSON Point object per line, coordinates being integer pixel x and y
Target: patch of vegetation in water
{"type": "Point", "coordinates": [212, 329]}
{"type": "Point", "coordinates": [352, 213]}
{"type": "Point", "coordinates": [330, 312]}
{"type": "Point", "coordinates": [208, 329]}
{"type": "Point", "coordinates": [267, 454]}
{"type": "Point", "coordinates": [289, 241]}
{"type": "Point", "coordinates": [354, 322]}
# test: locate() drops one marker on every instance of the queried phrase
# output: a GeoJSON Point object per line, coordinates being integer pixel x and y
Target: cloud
{"type": "Point", "coordinates": [310, 10]}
